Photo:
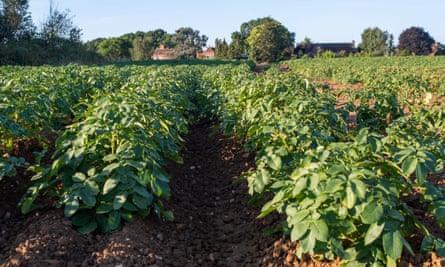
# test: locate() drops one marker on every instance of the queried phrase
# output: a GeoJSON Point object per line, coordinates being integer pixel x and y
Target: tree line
{"type": "Point", "coordinates": [412, 41]}
{"type": "Point", "coordinates": [58, 41]}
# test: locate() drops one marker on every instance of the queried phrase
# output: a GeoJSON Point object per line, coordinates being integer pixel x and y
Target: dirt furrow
{"type": "Point", "coordinates": [213, 224]}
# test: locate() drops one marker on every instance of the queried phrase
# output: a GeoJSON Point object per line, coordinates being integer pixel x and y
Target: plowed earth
{"type": "Point", "coordinates": [213, 226]}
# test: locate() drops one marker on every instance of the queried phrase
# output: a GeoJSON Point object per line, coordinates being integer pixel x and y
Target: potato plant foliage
{"type": "Point", "coordinates": [42, 100]}
{"type": "Point", "coordinates": [342, 190]}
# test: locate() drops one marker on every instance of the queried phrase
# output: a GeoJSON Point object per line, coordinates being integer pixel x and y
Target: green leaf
{"type": "Point", "coordinates": [129, 206]}
{"type": "Point", "coordinates": [308, 243]}
{"type": "Point", "coordinates": [79, 177]}
{"type": "Point", "coordinates": [337, 248]}
{"type": "Point", "coordinates": [421, 173]}
{"type": "Point", "coordinates": [351, 197]}
{"type": "Point", "coordinates": [71, 206]}
{"type": "Point", "coordinates": [336, 169]}
{"type": "Point", "coordinates": [298, 217]}
{"type": "Point", "coordinates": [359, 188]}
{"type": "Point", "coordinates": [298, 230]}
{"type": "Point", "coordinates": [320, 230]}
{"type": "Point", "coordinates": [168, 215]}
{"type": "Point", "coordinates": [372, 213]}
{"type": "Point", "coordinates": [440, 247]}
{"type": "Point", "coordinates": [299, 186]}
{"type": "Point", "coordinates": [28, 205]}
{"type": "Point", "coordinates": [141, 191]}
{"type": "Point", "coordinates": [114, 220]}
{"type": "Point", "coordinates": [374, 232]}
{"type": "Point", "coordinates": [334, 185]}
{"type": "Point", "coordinates": [141, 202]}
{"type": "Point", "coordinates": [104, 208]}
{"type": "Point", "coordinates": [274, 161]}
{"type": "Point", "coordinates": [128, 216]}
{"type": "Point", "coordinates": [110, 184]}
{"type": "Point", "coordinates": [393, 244]}
{"type": "Point", "coordinates": [119, 201]}
{"type": "Point", "coordinates": [109, 168]}
{"type": "Point", "coordinates": [88, 228]}
{"type": "Point", "coordinates": [135, 164]}
{"type": "Point", "coordinates": [428, 244]}
{"type": "Point", "coordinates": [439, 212]}
{"type": "Point", "coordinates": [160, 188]}
{"type": "Point", "coordinates": [87, 198]}
{"type": "Point", "coordinates": [110, 157]}
{"type": "Point", "coordinates": [409, 165]}
{"type": "Point", "coordinates": [82, 218]}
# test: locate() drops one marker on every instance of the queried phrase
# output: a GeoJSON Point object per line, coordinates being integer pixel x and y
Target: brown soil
{"type": "Point", "coordinates": [213, 226]}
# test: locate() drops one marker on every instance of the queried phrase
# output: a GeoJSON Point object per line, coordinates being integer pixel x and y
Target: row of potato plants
{"type": "Point", "coordinates": [412, 75]}
{"type": "Point", "coordinates": [37, 101]}
{"type": "Point", "coordinates": [414, 80]}
{"type": "Point", "coordinates": [342, 190]}
{"type": "Point", "coordinates": [109, 164]}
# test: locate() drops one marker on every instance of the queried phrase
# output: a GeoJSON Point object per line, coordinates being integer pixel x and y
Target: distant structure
{"type": "Point", "coordinates": [162, 53]}
{"type": "Point", "coordinates": [314, 49]}
{"type": "Point", "coordinates": [208, 54]}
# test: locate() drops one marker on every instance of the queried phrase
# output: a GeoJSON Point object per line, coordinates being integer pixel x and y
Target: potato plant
{"type": "Point", "coordinates": [109, 164]}
{"type": "Point", "coordinates": [35, 101]}
{"type": "Point", "coordinates": [342, 190]}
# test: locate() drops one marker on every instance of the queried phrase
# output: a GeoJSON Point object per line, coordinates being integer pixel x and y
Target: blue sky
{"type": "Point", "coordinates": [320, 20]}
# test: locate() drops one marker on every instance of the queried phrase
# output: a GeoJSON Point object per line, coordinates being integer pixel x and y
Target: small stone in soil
{"type": "Point", "coordinates": [160, 236]}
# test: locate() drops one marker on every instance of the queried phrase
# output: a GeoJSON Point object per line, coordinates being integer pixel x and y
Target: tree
{"type": "Point", "coordinates": [141, 50]}
{"type": "Point", "coordinates": [239, 45]}
{"type": "Point", "coordinates": [416, 41]}
{"type": "Point", "coordinates": [222, 50]}
{"type": "Point", "coordinates": [390, 46]}
{"type": "Point", "coordinates": [188, 42]}
{"type": "Point", "coordinates": [15, 20]}
{"type": "Point", "coordinates": [269, 40]}
{"type": "Point", "coordinates": [60, 25]}
{"type": "Point", "coordinates": [303, 48]}
{"type": "Point", "coordinates": [374, 41]}
{"type": "Point", "coordinates": [113, 49]}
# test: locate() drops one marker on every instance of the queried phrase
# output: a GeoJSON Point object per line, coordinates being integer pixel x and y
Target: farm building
{"type": "Point", "coordinates": [316, 48]}
{"type": "Point", "coordinates": [163, 53]}
{"type": "Point", "coordinates": [208, 54]}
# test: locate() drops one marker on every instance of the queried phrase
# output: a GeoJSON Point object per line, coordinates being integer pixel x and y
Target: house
{"type": "Point", "coordinates": [208, 54]}
{"type": "Point", "coordinates": [162, 53]}
{"type": "Point", "coordinates": [316, 48]}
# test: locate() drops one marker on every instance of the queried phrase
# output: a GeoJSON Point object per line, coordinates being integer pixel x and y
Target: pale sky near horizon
{"type": "Point", "coordinates": [321, 21]}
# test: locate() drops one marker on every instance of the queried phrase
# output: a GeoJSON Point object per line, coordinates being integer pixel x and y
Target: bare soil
{"type": "Point", "coordinates": [213, 226]}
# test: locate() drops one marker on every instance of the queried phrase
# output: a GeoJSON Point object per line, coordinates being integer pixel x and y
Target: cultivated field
{"type": "Point", "coordinates": [322, 162]}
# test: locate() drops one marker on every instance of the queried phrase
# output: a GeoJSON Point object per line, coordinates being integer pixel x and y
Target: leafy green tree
{"type": "Point", "coordinates": [374, 41]}
{"type": "Point", "coordinates": [390, 46]}
{"type": "Point", "coordinates": [113, 49]}
{"type": "Point", "coordinates": [416, 41]}
{"type": "Point", "coordinates": [239, 45]}
{"type": "Point", "coordinates": [15, 20]}
{"type": "Point", "coordinates": [158, 37]}
{"type": "Point", "coordinates": [61, 37]}
{"type": "Point", "coordinates": [141, 50]}
{"type": "Point", "coordinates": [60, 25]}
{"type": "Point", "coordinates": [188, 42]}
{"type": "Point", "coordinates": [269, 40]}
{"type": "Point", "coordinates": [222, 49]}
